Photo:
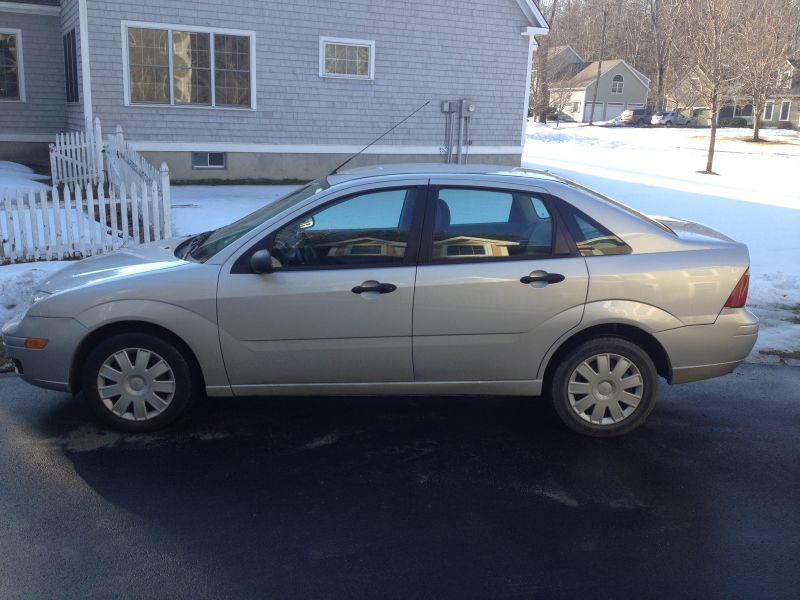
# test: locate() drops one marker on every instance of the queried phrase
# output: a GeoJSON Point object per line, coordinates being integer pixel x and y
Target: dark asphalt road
{"type": "Point", "coordinates": [406, 498]}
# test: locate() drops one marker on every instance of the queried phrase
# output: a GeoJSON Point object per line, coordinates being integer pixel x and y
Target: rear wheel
{"type": "Point", "coordinates": [605, 387]}
{"type": "Point", "coordinates": [668, 124]}
{"type": "Point", "coordinates": [137, 382]}
{"type": "Point", "coordinates": [640, 122]}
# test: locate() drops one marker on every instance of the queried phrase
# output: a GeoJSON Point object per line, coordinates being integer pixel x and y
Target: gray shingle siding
{"type": "Point", "coordinates": [434, 50]}
{"type": "Point", "coordinates": [42, 113]}
{"type": "Point", "coordinates": [70, 20]}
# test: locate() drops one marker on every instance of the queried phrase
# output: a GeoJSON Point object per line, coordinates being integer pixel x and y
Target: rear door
{"type": "Point", "coordinates": [498, 282]}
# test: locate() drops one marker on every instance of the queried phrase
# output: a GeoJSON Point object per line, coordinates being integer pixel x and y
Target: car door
{"type": "Point", "coordinates": [337, 307]}
{"type": "Point", "coordinates": [499, 281]}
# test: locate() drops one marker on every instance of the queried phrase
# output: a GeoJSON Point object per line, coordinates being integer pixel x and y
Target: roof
{"type": "Point", "coordinates": [583, 74]}
{"type": "Point", "coordinates": [532, 12]}
{"type": "Point", "coordinates": [436, 170]}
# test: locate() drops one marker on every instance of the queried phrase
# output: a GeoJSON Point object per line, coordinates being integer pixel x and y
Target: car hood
{"type": "Point", "coordinates": [118, 264]}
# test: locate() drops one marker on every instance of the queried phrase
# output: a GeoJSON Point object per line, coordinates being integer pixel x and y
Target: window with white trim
{"type": "Point", "coordinates": [769, 107]}
{"type": "Point", "coordinates": [617, 84]}
{"type": "Point", "coordinates": [786, 79]}
{"type": "Point", "coordinates": [12, 86]}
{"type": "Point", "coordinates": [346, 58]}
{"type": "Point", "coordinates": [209, 160]}
{"type": "Point", "coordinates": [785, 108]}
{"type": "Point", "coordinates": [576, 107]}
{"type": "Point", "coordinates": [189, 66]}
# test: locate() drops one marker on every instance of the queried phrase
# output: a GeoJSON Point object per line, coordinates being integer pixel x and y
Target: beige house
{"type": "Point", "coordinates": [782, 107]}
{"type": "Point", "coordinates": [572, 84]}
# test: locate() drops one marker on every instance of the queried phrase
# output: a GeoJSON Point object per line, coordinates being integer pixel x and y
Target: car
{"type": "Point", "coordinates": [638, 116]}
{"type": "Point", "coordinates": [670, 118]}
{"type": "Point", "coordinates": [400, 280]}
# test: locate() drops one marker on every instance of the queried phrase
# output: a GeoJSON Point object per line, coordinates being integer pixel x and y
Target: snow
{"type": "Point", "coordinates": [18, 281]}
{"type": "Point", "coordinates": [13, 175]}
{"type": "Point", "coordinates": [755, 197]}
{"type": "Point", "coordinates": [198, 208]}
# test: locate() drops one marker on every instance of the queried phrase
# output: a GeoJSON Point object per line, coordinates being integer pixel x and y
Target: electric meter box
{"type": "Point", "coordinates": [467, 108]}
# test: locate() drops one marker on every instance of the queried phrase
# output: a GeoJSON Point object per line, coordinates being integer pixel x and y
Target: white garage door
{"type": "Point", "coordinates": [598, 112]}
{"type": "Point", "coordinates": [614, 110]}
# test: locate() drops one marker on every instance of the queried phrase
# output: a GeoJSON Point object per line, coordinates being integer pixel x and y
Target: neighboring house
{"type": "Point", "coordinates": [286, 89]}
{"type": "Point", "coordinates": [782, 106]}
{"type": "Point", "coordinates": [572, 82]}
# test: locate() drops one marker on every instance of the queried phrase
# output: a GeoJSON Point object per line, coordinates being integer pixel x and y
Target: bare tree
{"type": "Point", "coordinates": [539, 100]}
{"type": "Point", "coordinates": [606, 8]}
{"type": "Point", "coordinates": [766, 43]}
{"type": "Point", "coordinates": [559, 100]}
{"type": "Point", "coordinates": [710, 35]}
{"type": "Point", "coordinates": [663, 15]}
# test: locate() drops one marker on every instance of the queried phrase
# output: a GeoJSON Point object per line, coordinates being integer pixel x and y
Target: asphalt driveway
{"type": "Point", "coordinates": [406, 498]}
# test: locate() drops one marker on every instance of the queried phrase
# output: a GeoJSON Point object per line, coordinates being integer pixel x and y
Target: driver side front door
{"type": "Point", "coordinates": [337, 309]}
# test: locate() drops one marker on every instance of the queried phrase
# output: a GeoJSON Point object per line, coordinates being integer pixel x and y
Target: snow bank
{"type": "Point", "coordinates": [14, 175]}
{"type": "Point", "coordinates": [18, 281]}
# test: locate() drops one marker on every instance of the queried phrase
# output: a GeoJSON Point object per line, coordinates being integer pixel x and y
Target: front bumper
{"type": "Point", "coordinates": [705, 351]}
{"type": "Point", "coordinates": [49, 367]}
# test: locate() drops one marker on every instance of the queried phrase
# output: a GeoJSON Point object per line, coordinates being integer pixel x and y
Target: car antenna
{"type": "Point", "coordinates": [370, 144]}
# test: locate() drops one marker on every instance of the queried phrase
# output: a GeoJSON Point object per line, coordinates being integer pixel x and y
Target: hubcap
{"type": "Point", "coordinates": [605, 389]}
{"type": "Point", "coordinates": [136, 384]}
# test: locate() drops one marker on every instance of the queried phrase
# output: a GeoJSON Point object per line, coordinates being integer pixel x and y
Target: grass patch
{"type": "Point", "coordinates": [781, 353]}
{"type": "Point", "coordinates": [795, 320]}
{"type": "Point", "coordinates": [4, 359]}
{"type": "Point", "coordinates": [763, 141]}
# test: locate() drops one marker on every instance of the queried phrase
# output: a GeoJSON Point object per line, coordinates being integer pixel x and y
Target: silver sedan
{"type": "Point", "coordinates": [411, 279]}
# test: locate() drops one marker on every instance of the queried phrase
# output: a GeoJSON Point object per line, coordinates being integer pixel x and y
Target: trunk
{"type": "Point", "coordinates": [660, 88]}
{"type": "Point", "coordinates": [599, 66]}
{"type": "Point", "coordinates": [713, 137]}
{"type": "Point", "coordinates": [757, 110]}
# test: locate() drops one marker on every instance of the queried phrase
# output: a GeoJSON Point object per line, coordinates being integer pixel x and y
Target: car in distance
{"type": "Point", "coordinates": [670, 118]}
{"type": "Point", "coordinates": [637, 116]}
{"type": "Point", "coordinates": [407, 279]}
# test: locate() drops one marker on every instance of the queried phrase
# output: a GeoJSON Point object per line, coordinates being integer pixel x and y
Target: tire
{"type": "Point", "coordinates": [668, 124]}
{"type": "Point", "coordinates": [640, 123]}
{"type": "Point", "coordinates": [154, 380]}
{"type": "Point", "coordinates": [603, 410]}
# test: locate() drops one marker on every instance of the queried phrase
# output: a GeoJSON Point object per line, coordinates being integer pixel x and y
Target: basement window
{"type": "Point", "coordinates": [209, 160]}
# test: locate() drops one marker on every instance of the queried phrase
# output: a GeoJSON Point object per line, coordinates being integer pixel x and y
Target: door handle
{"type": "Point", "coordinates": [381, 288]}
{"type": "Point", "coordinates": [549, 278]}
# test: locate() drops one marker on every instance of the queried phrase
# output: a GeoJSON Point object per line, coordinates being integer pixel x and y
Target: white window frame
{"type": "Point", "coordinates": [20, 66]}
{"type": "Point", "coordinates": [621, 84]}
{"type": "Point", "coordinates": [634, 105]}
{"type": "Point", "coordinates": [346, 42]}
{"type": "Point", "coordinates": [786, 80]}
{"type": "Point", "coordinates": [771, 107]}
{"type": "Point", "coordinates": [126, 75]}
{"type": "Point", "coordinates": [578, 111]}
{"type": "Point", "coordinates": [788, 110]}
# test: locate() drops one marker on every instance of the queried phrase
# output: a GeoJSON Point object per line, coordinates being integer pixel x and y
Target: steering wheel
{"type": "Point", "coordinates": [307, 252]}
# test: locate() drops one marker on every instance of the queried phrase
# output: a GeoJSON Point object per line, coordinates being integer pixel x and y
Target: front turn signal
{"type": "Point", "coordinates": [35, 343]}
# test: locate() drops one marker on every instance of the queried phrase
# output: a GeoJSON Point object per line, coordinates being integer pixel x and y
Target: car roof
{"type": "Point", "coordinates": [437, 170]}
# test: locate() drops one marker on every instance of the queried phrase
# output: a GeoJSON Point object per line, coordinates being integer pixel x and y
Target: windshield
{"type": "Point", "coordinates": [205, 245]}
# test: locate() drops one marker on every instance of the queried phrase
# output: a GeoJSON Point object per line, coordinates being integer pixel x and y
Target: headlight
{"type": "Point", "coordinates": [35, 298]}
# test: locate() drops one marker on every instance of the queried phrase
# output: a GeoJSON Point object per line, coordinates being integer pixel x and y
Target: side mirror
{"type": "Point", "coordinates": [261, 262]}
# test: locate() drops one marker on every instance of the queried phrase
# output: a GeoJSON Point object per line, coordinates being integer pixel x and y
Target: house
{"type": "Point", "coordinates": [783, 106]}
{"type": "Point", "coordinates": [572, 84]}
{"type": "Point", "coordinates": [286, 89]}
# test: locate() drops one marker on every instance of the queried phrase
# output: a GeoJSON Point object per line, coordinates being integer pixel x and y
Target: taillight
{"type": "Point", "coordinates": [738, 296]}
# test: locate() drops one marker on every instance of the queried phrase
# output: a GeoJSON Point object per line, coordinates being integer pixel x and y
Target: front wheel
{"type": "Point", "coordinates": [137, 382]}
{"type": "Point", "coordinates": [605, 387]}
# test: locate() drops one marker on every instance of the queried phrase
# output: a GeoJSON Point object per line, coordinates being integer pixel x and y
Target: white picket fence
{"type": "Point", "coordinates": [76, 159]}
{"type": "Point", "coordinates": [42, 225]}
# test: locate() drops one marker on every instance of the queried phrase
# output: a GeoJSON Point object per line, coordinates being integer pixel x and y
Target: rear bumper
{"type": "Point", "coordinates": [705, 351]}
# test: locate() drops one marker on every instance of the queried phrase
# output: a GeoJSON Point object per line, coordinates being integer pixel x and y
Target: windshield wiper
{"type": "Point", "coordinates": [194, 243]}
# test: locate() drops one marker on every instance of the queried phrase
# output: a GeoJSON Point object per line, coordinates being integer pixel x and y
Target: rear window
{"type": "Point", "coordinates": [590, 236]}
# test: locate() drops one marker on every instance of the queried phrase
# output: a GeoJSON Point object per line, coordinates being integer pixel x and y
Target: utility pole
{"type": "Point", "coordinates": [599, 63]}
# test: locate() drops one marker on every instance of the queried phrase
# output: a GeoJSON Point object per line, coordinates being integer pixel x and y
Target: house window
{"type": "Point", "coordinates": [345, 58]}
{"type": "Point", "coordinates": [576, 107]}
{"type": "Point", "coordinates": [616, 84]}
{"type": "Point", "coordinates": [71, 66]}
{"type": "Point", "coordinates": [785, 106]}
{"type": "Point", "coordinates": [769, 107]}
{"type": "Point", "coordinates": [189, 66]}
{"type": "Point", "coordinates": [209, 160]}
{"type": "Point", "coordinates": [11, 82]}
{"type": "Point", "coordinates": [786, 79]}
{"type": "Point", "coordinates": [743, 111]}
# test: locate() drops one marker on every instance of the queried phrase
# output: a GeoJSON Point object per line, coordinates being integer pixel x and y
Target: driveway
{"type": "Point", "coordinates": [406, 498]}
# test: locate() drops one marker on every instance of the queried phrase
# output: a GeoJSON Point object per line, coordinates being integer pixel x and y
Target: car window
{"type": "Point", "coordinates": [472, 224]}
{"type": "Point", "coordinates": [590, 236]}
{"type": "Point", "coordinates": [368, 229]}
